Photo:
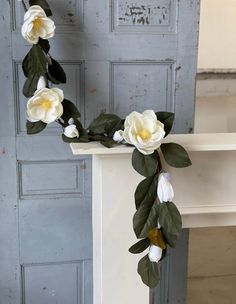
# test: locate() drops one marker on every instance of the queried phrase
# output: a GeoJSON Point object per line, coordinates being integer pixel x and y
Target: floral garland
{"type": "Point", "coordinates": [157, 221]}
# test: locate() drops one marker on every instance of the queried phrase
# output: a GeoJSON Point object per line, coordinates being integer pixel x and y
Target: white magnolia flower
{"type": "Point", "coordinates": [118, 136]}
{"type": "Point", "coordinates": [37, 24]}
{"type": "Point", "coordinates": [45, 105]}
{"type": "Point", "coordinates": [71, 131]}
{"type": "Point", "coordinates": [144, 131]}
{"type": "Point", "coordinates": [155, 253]}
{"type": "Point", "coordinates": [41, 83]}
{"type": "Point", "coordinates": [165, 190]}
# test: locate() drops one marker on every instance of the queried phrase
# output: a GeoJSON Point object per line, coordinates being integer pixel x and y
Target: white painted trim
{"type": "Point", "coordinates": [192, 142]}
{"type": "Point", "coordinates": [97, 230]}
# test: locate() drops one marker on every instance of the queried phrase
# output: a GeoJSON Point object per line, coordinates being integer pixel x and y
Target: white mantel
{"type": "Point", "coordinates": [205, 194]}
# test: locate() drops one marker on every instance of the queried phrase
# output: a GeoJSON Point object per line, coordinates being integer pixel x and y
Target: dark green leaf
{"type": "Point", "coordinates": [35, 127]}
{"type": "Point", "coordinates": [35, 62]}
{"type": "Point", "coordinates": [112, 127]}
{"type": "Point", "coordinates": [30, 85]}
{"type": "Point", "coordinates": [44, 43]}
{"type": "Point", "coordinates": [27, 67]}
{"type": "Point", "coordinates": [145, 218]}
{"type": "Point", "coordinates": [70, 111]}
{"type": "Point", "coordinates": [104, 123]}
{"type": "Point", "coordinates": [175, 155]}
{"type": "Point", "coordinates": [167, 118]}
{"type": "Point", "coordinates": [149, 272]}
{"type": "Point", "coordinates": [56, 73]}
{"type": "Point", "coordinates": [70, 140]}
{"type": "Point", "coordinates": [83, 138]}
{"type": "Point", "coordinates": [109, 143]}
{"type": "Point", "coordinates": [43, 3]}
{"type": "Point", "coordinates": [146, 191]}
{"type": "Point", "coordinates": [146, 165]}
{"type": "Point", "coordinates": [140, 246]}
{"type": "Point", "coordinates": [164, 252]}
{"type": "Point", "coordinates": [83, 135]}
{"type": "Point", "coordinates": [171, 222]}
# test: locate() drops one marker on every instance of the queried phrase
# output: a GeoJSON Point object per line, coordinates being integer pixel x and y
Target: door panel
{"type": "Point", "coordinates": [119, 56]}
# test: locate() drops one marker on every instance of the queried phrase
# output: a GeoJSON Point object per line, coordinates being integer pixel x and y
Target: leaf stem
{"type": "Point", "coordinates": [61, 123]}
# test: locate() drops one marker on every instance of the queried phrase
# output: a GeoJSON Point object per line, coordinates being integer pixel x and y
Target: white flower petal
{"type": "Point", "coordinates": [150, 113]}
{"type": "Point", "coordinates": [59, 92]}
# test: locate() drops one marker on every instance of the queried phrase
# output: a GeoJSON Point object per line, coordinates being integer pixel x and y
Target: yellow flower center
{"type": "Point", "coordinates": [144, 134]}
{"type": "Point", "coordinates": [46, 104]}
{"type": "Point", "coordinates": [37, 24]}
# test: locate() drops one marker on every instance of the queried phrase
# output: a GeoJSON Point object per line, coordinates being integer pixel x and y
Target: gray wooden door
{"type": "Point", "coordinates": [119, 55]}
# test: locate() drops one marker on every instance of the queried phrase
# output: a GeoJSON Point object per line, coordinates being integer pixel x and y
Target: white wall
{"type": "Point", "coordinates": [217, 42]}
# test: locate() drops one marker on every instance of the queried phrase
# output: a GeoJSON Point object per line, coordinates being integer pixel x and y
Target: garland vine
{"type": "Point", "coordinates": [157, 222]}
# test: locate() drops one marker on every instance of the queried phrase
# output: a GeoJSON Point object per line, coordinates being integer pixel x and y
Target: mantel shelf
{"type": "Point", "coordinates": [192, 142]}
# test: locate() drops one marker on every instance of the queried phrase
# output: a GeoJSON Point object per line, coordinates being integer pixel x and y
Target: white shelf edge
{"type": "Point", "coordinates": [214, 209]}
{"type": "Point", "coordinates": [192, 142]}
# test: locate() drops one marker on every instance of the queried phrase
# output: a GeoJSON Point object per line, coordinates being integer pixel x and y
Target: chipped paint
{"type": "Point", "coordinates": [144, 12]}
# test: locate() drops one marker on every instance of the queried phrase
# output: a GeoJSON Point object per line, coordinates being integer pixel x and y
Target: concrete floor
{"type": "Point", "coordinates": [212, 251]}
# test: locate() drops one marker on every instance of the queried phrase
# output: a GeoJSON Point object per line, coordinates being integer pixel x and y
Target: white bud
{"type": "Point", "coordinates": [118, 136]}
{"type": "Point", "coordinates": [165, 190]}
{"type": "Point", "coordinates": [41, 83]}
{"type": "Point", "coordinates": [71, 131]}
{"type": "Point", "coordinates": [155, 253]}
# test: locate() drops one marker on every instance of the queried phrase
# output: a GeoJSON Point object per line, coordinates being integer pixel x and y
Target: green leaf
{"type": "Point", "coordinates": [27, 66]}
{"type": "Point", "coordinates": [109, 143]}
{"type": "Point", "coordinates": [70, 110]}
{"type": "Point", "coordinates": [43, 3]}
{"type": "Point", "coordinates": [70, 140]}
{"type": "Point", "coordinates": [164, 253]}
{"type": "Point", "coordinates": [112, 127]}
{"type": "Point", "coordinates": [175, 155]}
{"type": "Point", "coordinates": [83, 135]}
{"type": "Point", "coordinates": [30, 85]}
{"type": "Point", "coordinates": [35, 62]}
{"type": "Point", "coordinates": [171, 222]}
{"type": "Point", "coordinates": [146, 191]}
{"type": "Point", "coordinates": [167, 118]}
{"type": "Point", "coordinates": [140, 246]}
{"type": "Point", "coordinates": [146, 165]}
{"type": "Point", "coordinates": [149, 272]}
{"type": "Point", "coordinates": [104, 123]}
{"type": "Point", "coordinates": [56, 73]}
{"type": "Point", "coordinates": [145, 218]}
{"type": "Point", "coordinates": [44, 43]}
{"type": "Point", "coordinates": [35, 127]}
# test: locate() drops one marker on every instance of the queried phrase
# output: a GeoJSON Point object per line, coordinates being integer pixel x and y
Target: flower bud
{"type": "Point", "coordinates": [118, 136]}
{"type": "Point", "coordinates": [41, 83]}
{"type": "Point", "coordinates": [155, 253]}
{"type": "Point", "coordinates": [71, 131]}
{"type": "Point", "coordinates": [165, 190]}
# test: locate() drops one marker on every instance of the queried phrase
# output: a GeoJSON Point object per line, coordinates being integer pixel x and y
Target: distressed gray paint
{"type": "Point", "coordinates": [114, 63]}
